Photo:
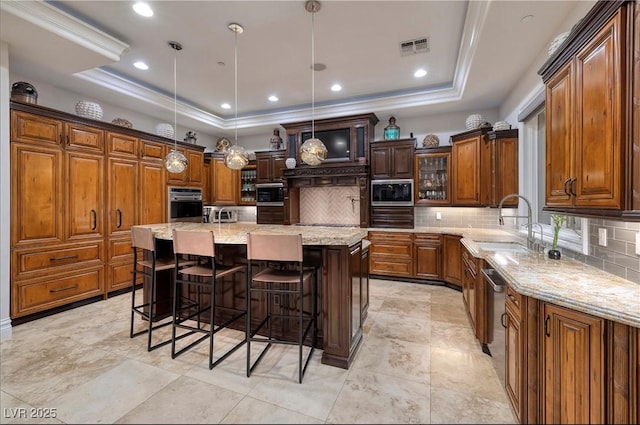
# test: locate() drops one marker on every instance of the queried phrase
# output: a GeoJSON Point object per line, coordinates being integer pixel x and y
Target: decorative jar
{"type": "Point", "coordinates": [88, 109]}
{"type": "Point", "coordinates": [474, 121]}
{"type": "Point", "coordinates": [392, 131]}
{"type": "Point", "coordinates": [290, 163]}
{"type": "Point", "coordinates": [190, 137]}
{"type": "Point", "coordinates": [24, 92]}
{"type": "Point", "coordinates": [122, 122]}
{"type": "Point", "coordinates": [501, 125]}
{"type": "Point", "coordinates": [431, 141]}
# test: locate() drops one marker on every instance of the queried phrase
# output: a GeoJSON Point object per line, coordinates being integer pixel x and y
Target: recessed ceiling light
{"type": "Point", "coordinates": [526, 18]}
{"type": "Point", "coordinates": [141, 65]}
{"type": "Point", "coordinates": [420, 73]}
{"type": "Point", "coordinates": [143, 9]}
{"type": "Point", "coordinates": [273, 98]}
{"type": "Point", "coordinates": [225, 106]}
{"type": "Point", "coordinates": [336, 87]}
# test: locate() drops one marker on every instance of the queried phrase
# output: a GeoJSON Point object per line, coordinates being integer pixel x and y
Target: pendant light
{"type": "Point", "coordinates": [175, 162]}
{"type": "Point", "coordinates": [313, 151]}
{"type": "Point", "coordinates": [236, 157]}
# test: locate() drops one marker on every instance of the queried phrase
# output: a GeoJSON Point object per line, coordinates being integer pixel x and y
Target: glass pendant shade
{"type": "Point", "coordinates": [175, 162]}
{"type": "Point", "coordinates": [236, 158]}
{"type": "Point", "coordinates": [313, 151]}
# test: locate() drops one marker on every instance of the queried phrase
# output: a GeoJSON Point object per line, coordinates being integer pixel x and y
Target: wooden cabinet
{"type": "Point", "coordinates": [432, 176]}
{"type": "Point", "coordinates": [364, 276]}
{"type": "Point", "coordinates": [206, 181]}
{"type": "Point", "coordinates": [392, 159]}
{"type": "Point", "coordinates": [193, 175]}
{"type": "Point", "coordinates": [573, 366]}
{"type": "Point", "coordinates": [391, 254]}
{"type": "Point", "coordinates": [225, 182]}
{"type": "Point", "coordinates": [514, 351]}
{"type": "Point", "coordinates": [484, 167]}
{"type": "Point", "coordinates": [452, 260]}
{"type": "Point", "coordinates": [248, 184]}
{"type": "Point", "coordinates": [589, 102]}
{"type": "Point", "coordinates": [427, 256]}
{"type": "Point", "coordinates": [269, 166]}
{"type": "Point", "coordinates": [470, 287]}
{"type": "Point", "coordinates": [57, 230]}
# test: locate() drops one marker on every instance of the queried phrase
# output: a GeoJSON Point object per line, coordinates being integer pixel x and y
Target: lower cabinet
{"type": "Point", "coordinates": [514, 346]}
{"type": "Point", "coordinates": [427, 256]}
{"type": "Point", "coordinates": [452, 260]}
{"type": "Point", "coordinates": [391, 253]}
{"type": "Point", "coordinates": [469, 285]}
{"type": "Point", "coordinates": [573, 367]}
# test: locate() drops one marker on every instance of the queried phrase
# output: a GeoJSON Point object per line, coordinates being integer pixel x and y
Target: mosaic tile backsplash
{"type": "Point", "coordinates": [336, 205]}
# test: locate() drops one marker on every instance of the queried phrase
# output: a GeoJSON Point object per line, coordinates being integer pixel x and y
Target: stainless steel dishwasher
{"type": "Point", "coordinates": [497, 324]}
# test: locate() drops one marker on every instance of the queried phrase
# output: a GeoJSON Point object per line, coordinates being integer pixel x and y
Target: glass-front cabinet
{"type": "Point", "coordinates": [248, 185]}
{"type": "Point", "coordinates": [431, 176]}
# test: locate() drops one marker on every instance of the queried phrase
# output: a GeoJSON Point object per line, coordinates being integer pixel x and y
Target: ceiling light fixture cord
{"type": "Point", "coordinates": [175, 98]}
{"type": "Point", "coordinates": [235, 70]}
{"type": "Point", "coordinates": [313, 75]}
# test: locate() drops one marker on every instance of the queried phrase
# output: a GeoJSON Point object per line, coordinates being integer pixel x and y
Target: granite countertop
{"type": "Point", "coordinates": [236, 233]}
{"type": "Point", "coordinates": [565, 282]}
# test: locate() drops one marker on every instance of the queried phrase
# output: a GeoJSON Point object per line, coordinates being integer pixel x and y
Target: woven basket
{"type": "Point", "coordinates": [474, 121]}
{"type": "Point", "coordinates": [87, 109]}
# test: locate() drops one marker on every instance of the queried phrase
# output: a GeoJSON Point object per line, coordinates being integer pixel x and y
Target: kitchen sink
{"type": "Point", "coordinates": [502, 246]}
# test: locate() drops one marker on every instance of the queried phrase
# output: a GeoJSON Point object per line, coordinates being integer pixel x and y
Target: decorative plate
{"type": "Point", "coordinates": [122, 122]}
{"type": "Point", "coordinates": [223, 144]}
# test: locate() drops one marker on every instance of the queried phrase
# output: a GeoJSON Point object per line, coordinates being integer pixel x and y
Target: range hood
{"type": "Point", "coordinates": [331, 174]}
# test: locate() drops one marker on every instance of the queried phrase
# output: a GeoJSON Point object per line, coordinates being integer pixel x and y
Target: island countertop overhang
{"type": "Point", "coordinates": [236, 233]}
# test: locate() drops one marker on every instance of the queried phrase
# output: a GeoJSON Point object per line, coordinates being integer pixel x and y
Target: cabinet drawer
{"type": "Point", "coordinates": [119, 276]}
{"type": "Point", "coordinates": [513, 300]}
{"type": "Point", "coordinates": [390, 236]}
{"type": "Point", "coordinates": [392, 267]}
{"type": "Point", "coordinates": [29, 262]}
{"type": "Point", "coordinates": [427, 238]}
{"type": "Point", "coordinates": [392, 249]}
{"type": "Point", "coordinates": [120, 250]}
{"type": "Point", "coordinates": [53, 291]}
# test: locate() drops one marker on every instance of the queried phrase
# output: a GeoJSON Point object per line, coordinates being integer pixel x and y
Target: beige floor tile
{"type": "Point", "coordinates": [251, 410]}
{"type": "Point", "coordinates": [184, 400]}
{"type": "Point", "coordinates": [112, 394]}
{"type": "Point", "coordinates": [453, 336]}
{"type": "Point", "coordinates": [372, 398]}
{"type": "Point", "coordinates": [405, 328]}
{"type": "Point", "coordinates": [476, 410]}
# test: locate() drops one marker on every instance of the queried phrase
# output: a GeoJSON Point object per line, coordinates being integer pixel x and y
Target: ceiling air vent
{"type": "Point", "coordinates": [411, 47]}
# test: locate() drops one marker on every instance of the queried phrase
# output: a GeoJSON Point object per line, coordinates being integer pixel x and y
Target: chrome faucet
{"type": "Point", "coordinates": [539, 247]}
{"type": "Point", "coordinates": [530, 241]}
{"type": "Point", "coordinates": [220, 216]}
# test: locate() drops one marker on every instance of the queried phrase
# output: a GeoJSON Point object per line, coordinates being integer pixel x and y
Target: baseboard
{"type": "Point", "coordinates": [6, 330]}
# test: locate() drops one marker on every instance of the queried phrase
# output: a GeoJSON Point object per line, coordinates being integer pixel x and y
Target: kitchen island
{"type": "Point", "coordinates": [342, 286]}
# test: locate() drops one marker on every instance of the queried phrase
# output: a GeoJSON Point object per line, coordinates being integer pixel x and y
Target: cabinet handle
{"type": "Point", "coordinates": [68, 257]}
{"type": "Point", "coordinates": [119, 218]}
{"type": "Point", "coordinates": [573, 180]}
{"type": "Point", "coordinates": [61, 139]}
{"type": "Point", "coordinates": [503, 320]}
{"type": "Point", "coordinates": [68, 142]}
{"type": "Point", "coordinates": [546, 325]}
{"type": "Point", "coordinates": [94, 219]}
{"type": "Point", "coordinates": [63, 289]}
{"type": "Point", "coordinates": [566, 182]}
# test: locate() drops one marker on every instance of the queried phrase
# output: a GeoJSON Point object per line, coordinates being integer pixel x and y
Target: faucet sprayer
{"type": "Point", "coordinates": [528, 217]}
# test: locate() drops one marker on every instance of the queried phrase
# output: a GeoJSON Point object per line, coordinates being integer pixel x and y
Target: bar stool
{"type": "Point", "coordinates": [203, 275]}
{"type": "Point", "coordinates": [142, 239]}
{"type": "Point", "coordinates": [285, 276]}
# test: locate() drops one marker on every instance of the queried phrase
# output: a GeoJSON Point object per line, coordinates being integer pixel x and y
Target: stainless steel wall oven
{"type": "Point", "coordinates": [185, 204]}
{"type": "Point", "coordinates": [270, 195]}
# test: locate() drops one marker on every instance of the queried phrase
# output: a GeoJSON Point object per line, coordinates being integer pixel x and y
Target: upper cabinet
{"type": "Point", "coordinates": [592, 144]}
{"type": "Point", "coordinates": [432, 176]}
{"type": "Point", "coordinates": [269, 166]}
{"type": "Point", "coordinates": [225, 182]}
{"type": "Point", "coordinates": [193, 175]}
{"type": "Point", "coordinates": [392, 159]}
{"type": "Point", "coordinates": [484, 167]}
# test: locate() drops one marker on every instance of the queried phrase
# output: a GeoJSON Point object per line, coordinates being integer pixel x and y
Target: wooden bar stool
{"type": "Point", "coordinates": [142, 239]}
{"type": "Point", "coordinates": [199, 246]}
{"type": "Point", "coordinates": [285, 276]}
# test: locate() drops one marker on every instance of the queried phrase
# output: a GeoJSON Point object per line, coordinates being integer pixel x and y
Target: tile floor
{"type": "Point", "coordinates": [418, 363]}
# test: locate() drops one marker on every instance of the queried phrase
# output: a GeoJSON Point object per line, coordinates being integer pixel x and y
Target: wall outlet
{"type": "Point", "coordinates": [602, 236]}
{"type": "Point", "coordinates": [637, 243]}
{"type": "Point", "coordinates": [438, 215]}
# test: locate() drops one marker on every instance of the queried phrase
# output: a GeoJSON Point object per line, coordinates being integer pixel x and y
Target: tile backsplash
{"type": "Point", "coordinates": [486, 218]}
{"type": "Point", "coordinates": [335, 205]}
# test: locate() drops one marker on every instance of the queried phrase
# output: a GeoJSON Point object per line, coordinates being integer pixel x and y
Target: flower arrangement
{"type": "Point", "coordinates": [558, 221]}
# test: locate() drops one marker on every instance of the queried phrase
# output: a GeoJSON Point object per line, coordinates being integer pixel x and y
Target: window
{"type": "Point", "coordinates": [575, 235]}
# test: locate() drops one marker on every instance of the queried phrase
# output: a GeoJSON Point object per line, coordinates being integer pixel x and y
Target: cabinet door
{"type": "Point", "coordinates": [29, 128]}
{"type": "Point", "coordinates": [277, 167]}
{"type": "Point", "coordinates": [381, 167]}
{"type": "Point", "coordinates": [559, 137]}
{"type": "Point", "coordinates": [514, 373]}
{"type": "Point", "coordinates": [225, 183]}
{"type": "Point", "coordinates": [451, 260]}
{"type": "Point", "coordinates": [573, 365]}
{"type": "Point", "coordinates": [84, 138]}
{"type": "Point", "coordinates": [121, 145]}
{"type": "Point", "coordinates": [598, 142]}
{"type": "Point", "coordinates": [152, 199]}
{"type": "Point", "coordinates": [85, 195]}
{"type": "Point", "coordinates": [206, 182]}
{"type": "Point", "coordinates": [356, 290]}
{"type": "Point", "coordinates": [364, 283]}
{"type": "Point", "coordinates": [177, 178]}
{"type": "Point", "coordinates": [427, 256]}
{"type": "Point", "coordinates": [195, 167]}
{"type": "Point", "coordinates": [122, 181]}
{"type": "Point", "coordinates": [263, 169]}
{"type": "Point", "coordinates": [465, 175]}
{"type": "Point", "coordinates": [402, 162]}
{"type": "Point", "coordinates": [431, 173]}
{"type": "Point", "coordinates": [36, 193]}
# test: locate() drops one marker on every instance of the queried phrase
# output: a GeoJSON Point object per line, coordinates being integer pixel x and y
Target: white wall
{"type": "Point", "coordinates": [5, 194]}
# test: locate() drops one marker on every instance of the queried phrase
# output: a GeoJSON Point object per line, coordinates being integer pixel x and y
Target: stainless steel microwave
{"type": "Point", "coordinates": [270, 194]}
{"type": "Point", "coordinates": [398, 192]}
